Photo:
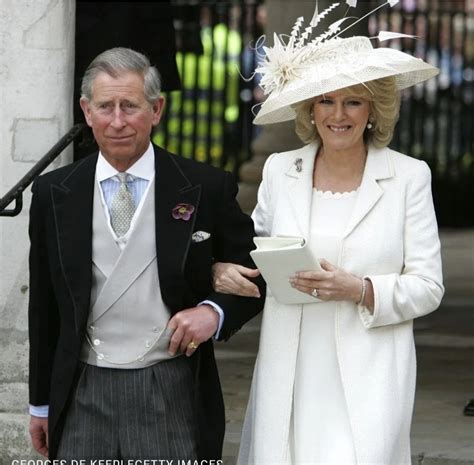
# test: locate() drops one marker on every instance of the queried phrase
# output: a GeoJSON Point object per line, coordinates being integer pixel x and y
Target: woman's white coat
{"type": "Point", "coordinates": [392, 238]}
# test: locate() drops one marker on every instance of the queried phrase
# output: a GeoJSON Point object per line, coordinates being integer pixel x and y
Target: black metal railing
{"type": "Point", "coordinates": [15, 194]}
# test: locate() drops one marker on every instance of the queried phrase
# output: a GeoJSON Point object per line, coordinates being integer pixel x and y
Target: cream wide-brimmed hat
{"type": "Point", "coordinates": [305, 67]}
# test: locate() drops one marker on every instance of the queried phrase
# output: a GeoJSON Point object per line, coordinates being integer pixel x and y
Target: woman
{"type": "Point", "coordinates": [334, 380]}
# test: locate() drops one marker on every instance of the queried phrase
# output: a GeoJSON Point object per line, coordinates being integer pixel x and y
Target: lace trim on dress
{"type": "Point", "coordinates": [334, 195]}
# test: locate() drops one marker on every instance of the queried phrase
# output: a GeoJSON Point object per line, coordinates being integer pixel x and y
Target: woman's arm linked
{"type": "Point", "coordinates": [387, 298]}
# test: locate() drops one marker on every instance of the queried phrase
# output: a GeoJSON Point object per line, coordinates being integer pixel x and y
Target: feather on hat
{"type": "Point", "coordinates": [302, 67]}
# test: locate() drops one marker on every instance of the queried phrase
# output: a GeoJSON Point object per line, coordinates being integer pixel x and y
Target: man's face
{"type": "Point", "coordinates": [121, 118]}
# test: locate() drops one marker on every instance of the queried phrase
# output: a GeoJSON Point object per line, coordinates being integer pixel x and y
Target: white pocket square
{"type": "Point", "coordinates": [200, 236]}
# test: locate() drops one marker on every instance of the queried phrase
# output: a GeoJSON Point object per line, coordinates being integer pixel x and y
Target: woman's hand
{"type": "Point", "coordinates": [332, 283]}
{"type": "Point", "coordinates": [230, 278]}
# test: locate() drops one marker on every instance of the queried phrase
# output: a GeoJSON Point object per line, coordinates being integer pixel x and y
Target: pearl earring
{"type": "Point", "coordinates": [369, 125]}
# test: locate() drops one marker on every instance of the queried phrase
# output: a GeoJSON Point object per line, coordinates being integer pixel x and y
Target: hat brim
{"type": "Point", "coordinates": [323, 77]}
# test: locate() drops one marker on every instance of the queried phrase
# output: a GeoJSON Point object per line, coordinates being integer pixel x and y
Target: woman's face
{"type": "Point", "coordinates": [341, 120]}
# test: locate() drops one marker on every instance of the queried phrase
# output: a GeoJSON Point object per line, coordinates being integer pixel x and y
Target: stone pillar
{"type": "Point", "coordinates": [36, 70]}
{"type": "Point", "coordinates": [279, 137]}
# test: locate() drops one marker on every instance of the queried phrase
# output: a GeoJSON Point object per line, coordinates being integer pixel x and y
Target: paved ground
{"type": "Point", "coordinates": [441, 435]}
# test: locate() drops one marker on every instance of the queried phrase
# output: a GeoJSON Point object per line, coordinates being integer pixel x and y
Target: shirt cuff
{"type": "Point", "coordinates": [41, 411]}
{"type": "Point", "coordinates": [219, 311]}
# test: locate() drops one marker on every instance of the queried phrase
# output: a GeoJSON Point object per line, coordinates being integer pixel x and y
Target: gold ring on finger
{"type": "Point", "coordinates": [192, 345]}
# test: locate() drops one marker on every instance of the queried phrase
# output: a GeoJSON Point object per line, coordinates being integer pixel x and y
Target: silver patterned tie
{"type": "Point", "coordinates": [122, 207]}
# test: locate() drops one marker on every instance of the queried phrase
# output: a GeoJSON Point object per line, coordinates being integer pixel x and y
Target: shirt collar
{"type": "Point", "coordinates": [143, 168]}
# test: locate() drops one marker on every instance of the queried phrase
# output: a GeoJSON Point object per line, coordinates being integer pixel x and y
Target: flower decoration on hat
{"type": "Point", "coordinates": [182, 211]}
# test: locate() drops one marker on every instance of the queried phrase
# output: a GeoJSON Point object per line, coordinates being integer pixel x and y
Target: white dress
{"type": "Point", "coordinates": [321, 432]}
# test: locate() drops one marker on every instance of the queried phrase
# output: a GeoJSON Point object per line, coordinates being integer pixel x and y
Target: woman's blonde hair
{"type": "Point", "coordinates": [384, 100]}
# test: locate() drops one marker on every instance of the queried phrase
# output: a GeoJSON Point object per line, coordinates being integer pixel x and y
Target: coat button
{"type": "Point", "coordinates": [96, 342]}
{"type": "Point", "coordinates": [100, 356]}
{"type": "Point", "coordinates": [147, 344]}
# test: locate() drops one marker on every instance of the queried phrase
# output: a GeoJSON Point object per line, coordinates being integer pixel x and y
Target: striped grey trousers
{"type": "Point", "coordinates": [143, 413]}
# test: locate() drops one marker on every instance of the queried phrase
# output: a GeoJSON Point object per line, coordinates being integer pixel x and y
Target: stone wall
{"type": "Point", "coordinates": [36, 69]}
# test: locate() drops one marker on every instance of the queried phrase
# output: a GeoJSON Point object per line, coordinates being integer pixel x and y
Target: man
{"type": "Point", "coordinates": [122, 309]}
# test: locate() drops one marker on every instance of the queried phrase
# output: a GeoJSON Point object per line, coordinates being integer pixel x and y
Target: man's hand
{"type": "Point", "coordinates": [39, 434]}
{"type": "Point", "coordinates": [195, 325]}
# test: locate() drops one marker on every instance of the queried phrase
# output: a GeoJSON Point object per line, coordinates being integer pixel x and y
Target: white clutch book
{"type": "Point", "coordinates": [278, 259]}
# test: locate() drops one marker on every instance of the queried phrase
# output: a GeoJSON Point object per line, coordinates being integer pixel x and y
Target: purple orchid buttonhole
{"type": "Point", "coordinates": [182, 211]}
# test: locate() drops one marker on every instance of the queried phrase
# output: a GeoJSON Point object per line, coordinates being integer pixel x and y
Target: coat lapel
{"type": "Point", "coordinates": [299, 177]}
{"type": "Point", "coordinates": [377, 167]}
{"type": "Point", "coordinates": [72, 202]}
{"type": "Point", "coordinates": [299, 186]}
{"type": "Point", "coordinates": [173, 236]}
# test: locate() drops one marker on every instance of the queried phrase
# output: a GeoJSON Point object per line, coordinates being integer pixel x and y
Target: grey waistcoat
{"type": "Point", "coordinates": [127, 321]}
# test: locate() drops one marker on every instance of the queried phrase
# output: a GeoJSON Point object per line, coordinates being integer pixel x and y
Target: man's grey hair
{"type": "Point", "coordinates": [118, 61]}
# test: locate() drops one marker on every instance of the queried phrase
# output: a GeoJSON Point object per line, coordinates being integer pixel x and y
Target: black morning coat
{"type": "Point", "coordinates": [61, 272]}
